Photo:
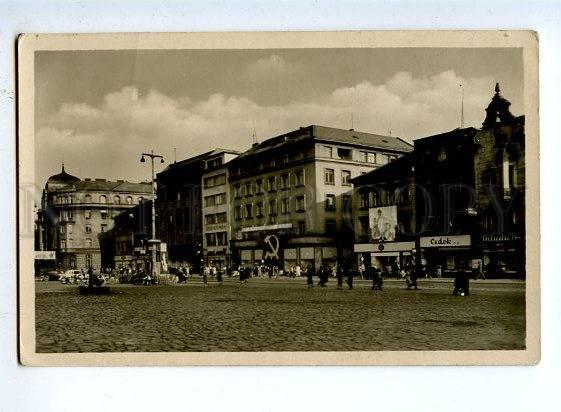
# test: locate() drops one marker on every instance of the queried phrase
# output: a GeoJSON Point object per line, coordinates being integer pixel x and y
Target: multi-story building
{"type": "Point", "coordinates": [180, 206]}
{"type": "Point", "coordinates": [216, 197]}
{"type": "Point", "coordinates": [75, 212]}
{"type": "Point", "coordinates": [457, 199]}
{"type": "Point", "coordinates": [292, 194]}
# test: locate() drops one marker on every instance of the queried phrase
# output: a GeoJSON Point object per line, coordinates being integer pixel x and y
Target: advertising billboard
{"type": "Point", "coordinates": [382, 223]}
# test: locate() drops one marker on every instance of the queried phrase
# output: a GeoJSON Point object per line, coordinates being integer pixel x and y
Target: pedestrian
{"type": "Point", "coordinates": [310, 276]}
{"type": "Point", "coordinates": [214, 271]}
{"type": "Point", "coordinates": [412, 279]}
{"type": "Point", "coordinates": [206, 272]}
{"type": "Point", "coordinates": [377, 280]}
{"type": "Point", "coordinates": [340, 275]}
{"type": "Point", "coordinates": [438, 271]}
{"type": "Point", "coordinates": [298, 271]}
{"type": "Point", "coordinates": [219, 275]}
{"type": "Point", "coordinates": [395, 269]}
{"type": "Point", "coordinates": [461, 282]}
{"type": "Point", "coordinates": [350, 279]}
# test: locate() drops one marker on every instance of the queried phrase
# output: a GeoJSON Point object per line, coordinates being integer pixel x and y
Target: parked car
{"type": "Point", "coordinates": [71, 276]}
{"type": "Point", "coordinates": [54, 275]}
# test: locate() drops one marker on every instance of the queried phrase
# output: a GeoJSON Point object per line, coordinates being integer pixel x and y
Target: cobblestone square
{"type": "Point", "coordinates": [280, 315]}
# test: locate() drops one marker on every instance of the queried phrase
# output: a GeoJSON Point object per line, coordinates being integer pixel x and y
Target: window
{"type": "Point", "coordinates": [371, 158]}
{"type": "Point", "coordinates": [88, 229]}
{"type": "Point", "coordinates": [363, 156]}
{"type": "Point", "coordinates": [273, 207]}
{"type": "Point", "coordinates": [249, 189]}
{"type": "Point", "coordinates": [346, 177]}
{"type": "Point", "coordinates": [87, 214]}
{"type": "Point", "coordinates": [70, 215]}
{"type": "Point", "coordinates": [330, 226]}
{"type": "Point", "coordinates": [61, 229]}
{"type": "Point", "coordinates": [70, 244]}
{"type": "Point", "coordinates": [69, 199]}
{"type": "Point", "coordinates": [117, 200]}
{"type": "Point", "coordinates": [214, 200]}
{"type": "Point", "coordinates": [259, 186]}
{"type": "Point", "coordinates": [140, 199]}
{"type": "Point", "coordinates": [88, 243]}
{"type": "Point", "coordinates": [238, 212]}
{"type": "Point", "coordinates": [364, 200]}
{"type": "Point", "coordinates": [347, 204]}
{"type": "Point", "coordinates": [221, 239]}
{"type": "Point", "coordinates": [259, 209]}
{"type": "Point", "coordinates": [63, 244]}
{"type": "Point", "coordinates": [329, 177]}
{"type": "Point", "coordinates": [87, 199]}
{"type": "Point", "coordinates": [103, 227]}
{"type": "Point", "coordinates": [249, 211]}
{"type": "Point", "coordinates": [285, 206]}
{"type": "Point", "coordinates": [285, 158]}
{"type": "Point", "coordinates": [329, 202]}
{"type": "Point", "coordinates": [300, 177]}
{"type": "Point", "coordinates": [211, 239]}
{"type": "Point", "coordinates": [88, 260]}
{"type": "Point", "coordinates": [272, 182]}
{"type": "Point", "coordinates": [215, 218]}
{"type": "Point", "coordinates": [129, 200]}
{"type": "Point", "coordinates": [210, 164]}
{"type": "Point", "coordinates": [285, 181]}
{"type": "Point", "coordinates": [237, 190]}
{"type": "Point", "coordinates": [65, 215]}
{"type": "Point", "coordinates": [69, 229]}
{"type": "Point", "coordinates": [103, 214]}
{"type": "Point", "coordinates": [383, 159]}
{"type": "Point", "coordinates": [327, 151]}
{"type": "Point", "coordinates": [301, 227]}
{"type": "Point", "coordinates": [345, 154]}
{"type": "Point", "coordinates": [213, 181]}
{"type": "Point", "coordinates": [373, 199]}
{"type": "Point", "coordinates": [300, 203]}
{"type": "Point", "coordinates": [103, 199]}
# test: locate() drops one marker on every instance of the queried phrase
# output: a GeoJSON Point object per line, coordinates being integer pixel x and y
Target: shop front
{"type": "Point", "coordinates": [504, 255]}
{"type": "Point", "coordinates": [384, 254]}
{"type": "Point", "coordinates": [448, 252]}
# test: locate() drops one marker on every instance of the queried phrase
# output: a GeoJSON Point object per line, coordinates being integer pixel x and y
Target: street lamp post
{"type": "Point", "coordinates": [153, 241]}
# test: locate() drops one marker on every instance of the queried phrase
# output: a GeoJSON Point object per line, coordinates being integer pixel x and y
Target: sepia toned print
{"type": "Point", "coordinates": [279, 199]}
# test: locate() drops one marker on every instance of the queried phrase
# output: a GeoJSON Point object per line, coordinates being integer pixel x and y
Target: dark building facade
{"type": "Point", "coordinates": [459, 198]}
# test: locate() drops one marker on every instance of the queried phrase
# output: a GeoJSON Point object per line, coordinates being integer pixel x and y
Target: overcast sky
{"type": "Point", "coordinates": [98, 110]}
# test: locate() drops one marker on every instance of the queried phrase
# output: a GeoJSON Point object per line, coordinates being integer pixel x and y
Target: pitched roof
{"type": "Point", "coordinates": [332, 135]}
{"type": "Point", "coordinates": [396, 170]}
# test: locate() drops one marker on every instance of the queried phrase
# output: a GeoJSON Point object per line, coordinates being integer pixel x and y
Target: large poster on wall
{"type": "Point", "coordinates": [382, 223]}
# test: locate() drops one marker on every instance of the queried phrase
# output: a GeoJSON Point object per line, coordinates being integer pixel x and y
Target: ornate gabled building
{"type": "Point", "coordinates": [75, 212]}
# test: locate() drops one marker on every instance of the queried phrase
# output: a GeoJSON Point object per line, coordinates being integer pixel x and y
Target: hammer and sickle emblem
{"type": "Point", "coordinates": [273, 242]}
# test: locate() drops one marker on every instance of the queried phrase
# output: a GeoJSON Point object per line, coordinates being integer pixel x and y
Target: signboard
{"type": "Point", "coordinates": [45, 254]}
{"type": "Point", "coordinates": [384, 247]}
{"type": "Point", "coordinates": [501, 237]}
{"type": "Point", "coordinates": [445, 241]}
{"type": "Point", "coordinates": [382, 223]}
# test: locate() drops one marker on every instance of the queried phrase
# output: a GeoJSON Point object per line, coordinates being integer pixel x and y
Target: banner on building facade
{"type": "Point", "coordinates": [382, 223]}
{"type": "Point", "coordinates": [45, 255]}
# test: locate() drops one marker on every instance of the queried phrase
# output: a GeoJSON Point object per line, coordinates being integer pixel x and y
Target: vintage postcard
{"type": "Point", "coordinates": [319, 198]}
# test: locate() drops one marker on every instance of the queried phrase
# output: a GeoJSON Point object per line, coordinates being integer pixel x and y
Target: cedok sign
{"type": "Point", "coordinates": [445, 241]}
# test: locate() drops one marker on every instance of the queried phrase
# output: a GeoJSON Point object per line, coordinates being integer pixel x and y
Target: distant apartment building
{"type": "Point", "coordinates": [188, 190]}
{"type": "Point", "coordinates": [216, 197]}
{"type": "Point", "coordinates": [292, 199]}
{"type": "Point", "coordinates": [74, 213]}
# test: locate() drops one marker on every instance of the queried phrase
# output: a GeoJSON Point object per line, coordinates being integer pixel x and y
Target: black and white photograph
{"type": "Point", "coordinates": [281, 198]}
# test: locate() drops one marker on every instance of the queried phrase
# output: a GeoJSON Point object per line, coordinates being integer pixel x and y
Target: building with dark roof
{"type": "Point", "coordinates": [458, 199]}
{"type": "Point", "coordinates": [184, 190]}
{"type": "Point", "coordinates": [75, 212]}
{"type": "Point", "coordinates": [292, 194]}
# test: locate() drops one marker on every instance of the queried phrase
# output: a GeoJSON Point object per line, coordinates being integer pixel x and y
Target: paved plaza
{"type": "Point", "coordinates": [280, 315]}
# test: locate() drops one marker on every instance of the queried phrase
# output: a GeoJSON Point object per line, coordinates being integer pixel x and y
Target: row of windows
{"type": "Point", "coordinates": [249, 211]}
{"type": "Point", "coordinates": [216, 239]}
{"type": "Point", "coordinates": [258, 187]}
{"type": "Point", "coordinates": [68, 215]}
{"type": "Point", "coordinates": [215, 218]}
{"type": "Point", "coordinates": [213, 181]}
{"type": "Point", "coordinates": [215, 200]}
{"type": "Point", "coordinates": [70, 243]}
{"type": "Point", "coordinates": [363, 156]}
{"type": "Point", "coordinates": [383, 198]}
{"type": "Point", "coordinates": [129, 200]}
{"type": "Point", "coordinates": [329, 175]}
{"type": "Point", "coordinates": [284, 159]}
{"type": "Point", "coordinates": [69, 229]}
